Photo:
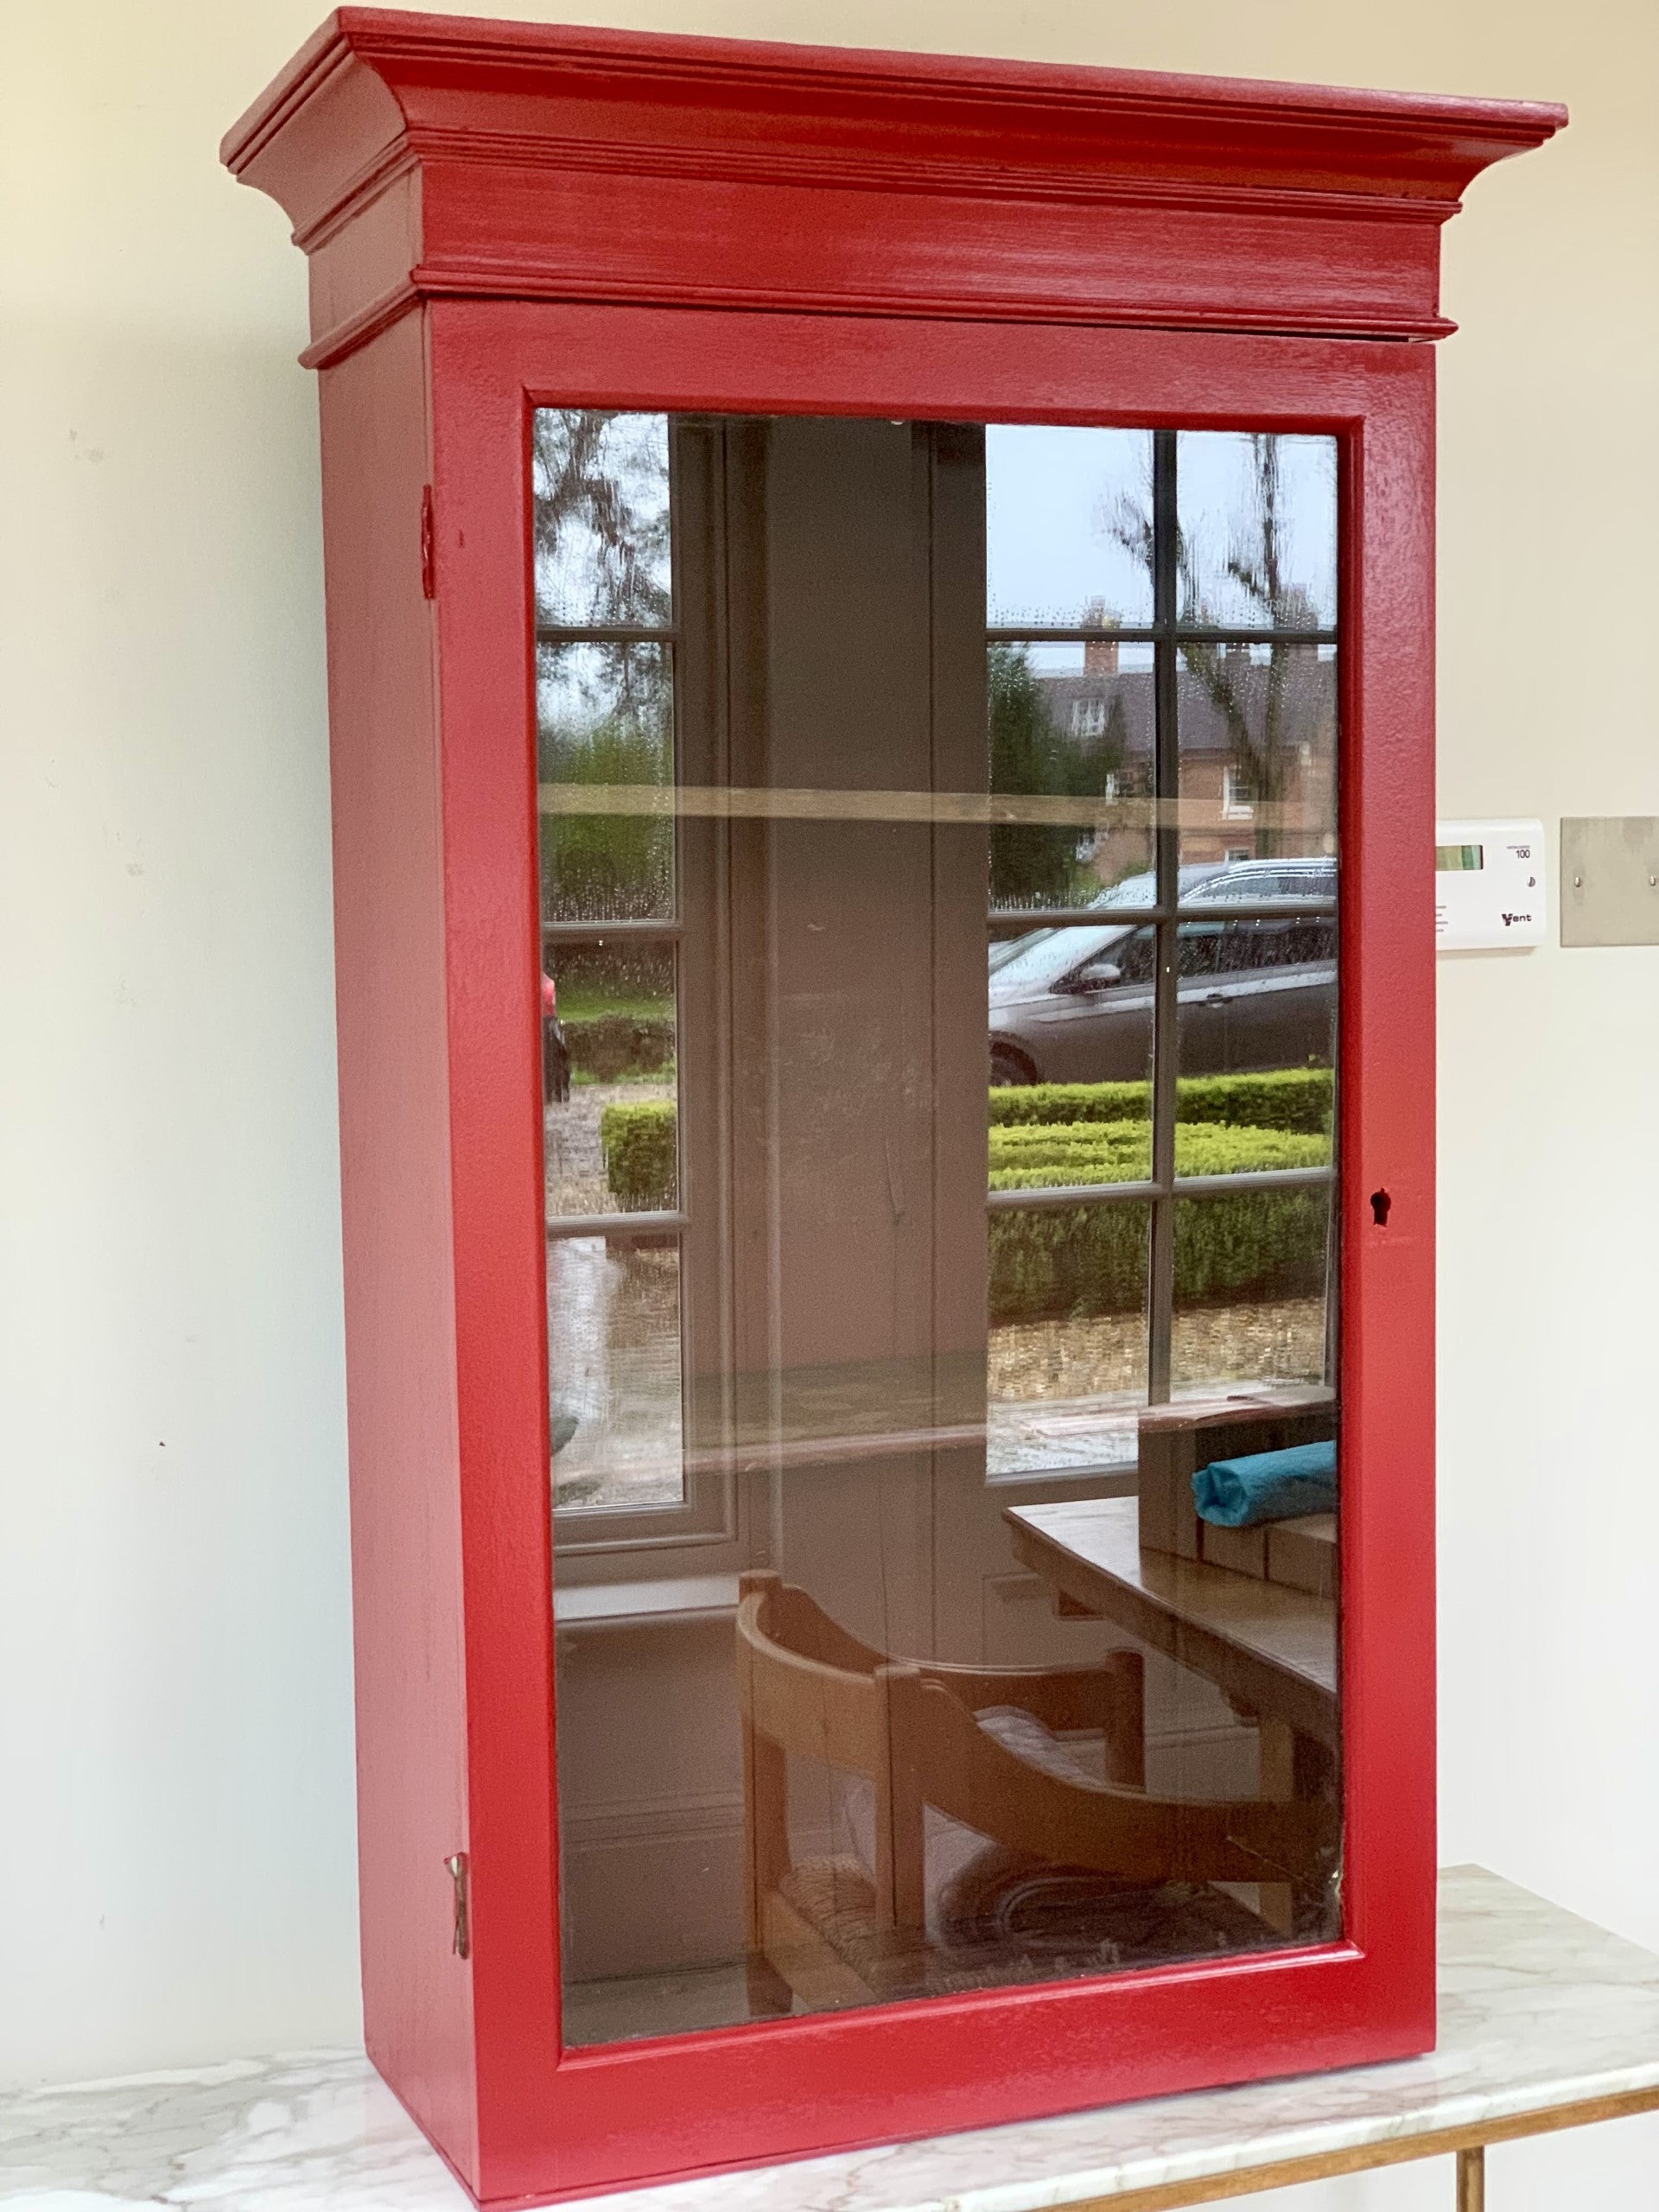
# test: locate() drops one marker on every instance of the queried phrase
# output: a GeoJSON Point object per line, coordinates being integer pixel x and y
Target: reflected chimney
{"type": "Point", "coordinates": [1099, 655]}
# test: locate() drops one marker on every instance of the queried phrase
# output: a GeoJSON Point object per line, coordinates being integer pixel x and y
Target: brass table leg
{"type": "Point", "coordinates": [1471, 2181]}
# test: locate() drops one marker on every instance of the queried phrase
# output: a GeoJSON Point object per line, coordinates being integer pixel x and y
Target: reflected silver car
{"type": "Point", "coordinates": [1074, 1004]}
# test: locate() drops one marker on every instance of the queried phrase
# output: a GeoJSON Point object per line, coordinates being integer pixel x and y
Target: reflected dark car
{"type": "Point", "coordinates": [1134, 891]}
{"type": "Point", "coordinates": [1074, 1004]}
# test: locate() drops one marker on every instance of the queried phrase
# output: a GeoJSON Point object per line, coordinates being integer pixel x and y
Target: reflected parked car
{"type": "Point", "coordinates": [1140, 890]}
{"type": "Point", "coordinates": [1074, 1004]}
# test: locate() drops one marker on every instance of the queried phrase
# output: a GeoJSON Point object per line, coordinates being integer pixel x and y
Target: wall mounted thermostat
{"type": "Point", "coordinates": [1489, 885]}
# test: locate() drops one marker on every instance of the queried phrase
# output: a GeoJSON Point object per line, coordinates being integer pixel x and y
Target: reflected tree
{"type": "Point", "coordinates": [601, 545]}
{"type": "Point", "coordinates": [601, 517]}
{"type": "Point", "coordinates": [610, 726]}
{"type": "Point", "coordinates": [1266, 707]}
{"type": "Point", "coordinates": [1032, 864]}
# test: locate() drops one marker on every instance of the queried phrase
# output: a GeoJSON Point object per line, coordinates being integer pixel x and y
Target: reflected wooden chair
{"type": "Point", "coordinates": [834, 1931]}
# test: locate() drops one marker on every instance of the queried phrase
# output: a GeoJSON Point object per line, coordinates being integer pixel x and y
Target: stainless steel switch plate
{"type": "Point", "coordinates": [1610, 879]}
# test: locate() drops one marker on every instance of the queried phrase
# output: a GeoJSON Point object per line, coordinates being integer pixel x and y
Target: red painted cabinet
{"type": "Point", "coordinates": [881, 626]}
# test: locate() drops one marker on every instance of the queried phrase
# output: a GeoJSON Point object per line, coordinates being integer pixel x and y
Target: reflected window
{"type": "Point", "coordinates": [1223, 699]}
{"type": "Point", "coordinates": [605, 648]}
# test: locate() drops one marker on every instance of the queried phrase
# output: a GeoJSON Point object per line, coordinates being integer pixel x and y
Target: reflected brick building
{"type": "Point", "coordinates": [1257, 726]}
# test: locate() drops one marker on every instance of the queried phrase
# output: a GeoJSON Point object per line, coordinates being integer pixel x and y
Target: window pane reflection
{"type": "Point", "coordinates": [1258, 517]}
{"type": "Point", "coordinates": [1258, 757]}
{"type": "Point", "coordinates": [1072, 723]}
{"type": "Point", "coordinates": [606, 723]}
{"type": "Point", "coordinates": [608, 1035]}
{"type": "Point", "coordinates": [1067, 1372]}
{"type": "Point", "coordinates": [613, 1372]}
{"type": "Point", "coordinates": [1070, 1014]}
{"type": "Point", "coordinates": [1251, 1274]}
{"type": "Point", "coordinates": [1066, 527]}
{"type": "Point", "coordinates": [602, 519]}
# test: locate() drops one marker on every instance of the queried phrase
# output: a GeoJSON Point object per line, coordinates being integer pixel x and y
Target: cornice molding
{"type": "Point", "coordinates": [509, 142]}
{"type": "Point", "coordinates": [738, 165]}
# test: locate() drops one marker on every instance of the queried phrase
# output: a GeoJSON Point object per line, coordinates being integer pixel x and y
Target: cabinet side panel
{"type": "Point", "coordinates": [395, 1192]}
{"type": "Point", "coordinates": [481, 572]}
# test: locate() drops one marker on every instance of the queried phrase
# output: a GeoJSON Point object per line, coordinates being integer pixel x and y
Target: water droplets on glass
{"type": "Point", "coordinates": [1068, 524]}
{"type": "Point", "coordinates": [606, 723]}
{"type": "Point", "coordinates": [602, 519]}
{"type": "Point", "coordinates": [1258, 531]}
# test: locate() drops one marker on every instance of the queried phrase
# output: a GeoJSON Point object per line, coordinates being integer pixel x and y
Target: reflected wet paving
{"type": "Point", "coordinates": [614, 1327]}
{"type": "Point", "coordinates": [1067, 1393]}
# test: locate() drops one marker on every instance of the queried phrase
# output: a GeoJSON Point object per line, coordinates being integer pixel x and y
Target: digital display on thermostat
{"type": "Point", "coordinates": [1459, 860]}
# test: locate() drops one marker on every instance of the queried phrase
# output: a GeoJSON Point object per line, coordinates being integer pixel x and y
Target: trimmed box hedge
{"type": "Point", "coordinates": [640, 1143]}
{"type": "Point", "coordinates": [1051, 1153]}
{"type": "Point", "coordinates": [609, 1045]}
{"type": "Point", "coordinates": [1079, 1261]}
{"type": "Point", "coordinates": [1285, 1098]}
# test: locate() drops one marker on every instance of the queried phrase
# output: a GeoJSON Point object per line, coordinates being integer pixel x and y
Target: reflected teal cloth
{"type": "Point", "coordinates": [1267, 1486]}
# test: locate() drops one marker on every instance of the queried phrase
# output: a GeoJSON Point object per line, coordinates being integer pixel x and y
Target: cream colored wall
{"type": "Point", "coordinates": [176, 1845]}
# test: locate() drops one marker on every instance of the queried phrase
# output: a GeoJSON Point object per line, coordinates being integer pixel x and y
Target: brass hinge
{"type": "Point", "coordinates": [463, 1944]}
{"type": "Point", "coordinates": [429, 554]}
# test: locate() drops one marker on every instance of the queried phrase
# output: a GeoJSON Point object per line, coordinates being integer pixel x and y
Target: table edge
{"type": "Point", "coordinates": [1393, 2150]}
{"type": "Point", "coordinates": [1154, 1618]}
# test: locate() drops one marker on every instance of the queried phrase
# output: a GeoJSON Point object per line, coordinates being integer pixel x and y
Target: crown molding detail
{"type": "Point", "coordinates": [423, 156]}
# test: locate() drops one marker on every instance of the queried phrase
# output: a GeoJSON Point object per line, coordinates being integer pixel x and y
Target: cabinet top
{"type": "Point", "coordinates": [479, 154]}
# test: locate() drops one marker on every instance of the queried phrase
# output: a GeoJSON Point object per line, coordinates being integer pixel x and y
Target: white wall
{"type": "Point", "coordinates": [175, 1787]}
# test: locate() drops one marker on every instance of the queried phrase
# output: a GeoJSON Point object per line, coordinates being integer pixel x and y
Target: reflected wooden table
{"type": "Point", "coordinates": [1271, 1650]}
{"type": "Point", "coordinates": [1266, 1646]}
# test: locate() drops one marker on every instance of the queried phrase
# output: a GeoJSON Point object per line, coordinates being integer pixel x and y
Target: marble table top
{"type": "Point", "coordinates": [1539, 2012]}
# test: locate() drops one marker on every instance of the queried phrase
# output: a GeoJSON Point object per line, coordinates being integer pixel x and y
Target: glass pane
{"type": "Point", "coordinates": [1071, 1029]}
{"type": "Point", "coordinates": [606, 753]}
{"type": "Point", "coordinates": [918, 1405]}
{"type": "Point", "coordinates": [1258, 766]}
{"type": "Point", "coordinates": [608, 1059]}
{"type": "Point", "coordinates": [602, 519]}
{"type": "Point", "coordinates": [1067, 1370]}
{"type": "Point", "coordinates": [1068, 522]}
{"type": "Point", "coordinates": [1258, 531]}
{"type": "Point", "coordinates": [1072, 727]}
{"type": "Point", "coordinates": [613, 1372]}
{"type": "Point", "coordinates": [1251, 1276]}
{"type": "Point", "coordinates": [1257, 1037]}
{"type": "Point", "coordinates": [1242, 1471]}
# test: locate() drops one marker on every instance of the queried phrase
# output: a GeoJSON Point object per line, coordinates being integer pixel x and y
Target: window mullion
{"type": "Point", "coordinates": [1168, 859]}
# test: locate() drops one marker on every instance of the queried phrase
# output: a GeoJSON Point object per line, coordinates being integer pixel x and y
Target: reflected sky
{"type": "Point", "coordinates": [1050, 496]}
{"type": "Point", "coordinates": [1065, 505]}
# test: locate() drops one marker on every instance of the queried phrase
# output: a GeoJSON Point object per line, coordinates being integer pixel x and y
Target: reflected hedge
{"type": "Point", "coordinates": [638, 1142]}
{"type": "Point", "coordinates": [1285, 1098]}
{"type": "Point", "coordinates": [1073, 1262]}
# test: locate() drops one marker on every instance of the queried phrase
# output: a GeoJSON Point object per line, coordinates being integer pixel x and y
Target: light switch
{"type": "Point", "coordinates": [1610, 879]}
